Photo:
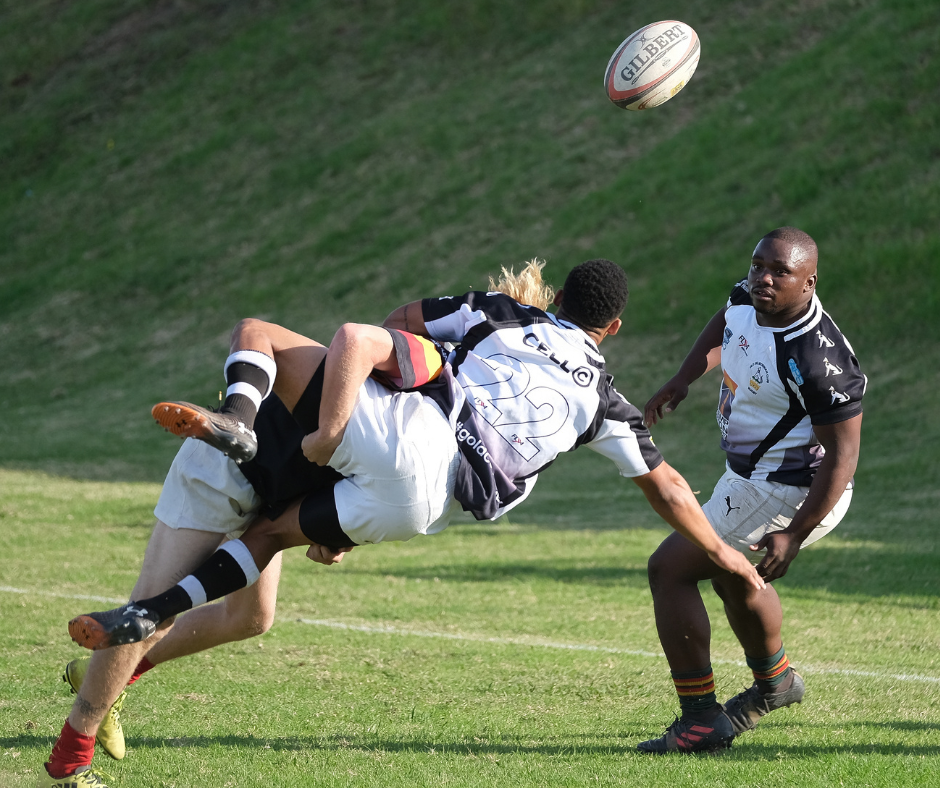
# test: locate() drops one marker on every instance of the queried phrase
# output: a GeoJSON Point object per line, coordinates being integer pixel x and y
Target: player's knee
{"type": "Point", "coordinates": [657, 570]}
{"type": "Point", "coordinates": [248, 327]}
{"type": "Point", "coordinates": [665, 569]}
{"type": "Point", "coordinates": [251, 626]}
{"type": "Point", "coordinates": [245, 621]}
{"type": "Point", "coordinates": [720, 589]}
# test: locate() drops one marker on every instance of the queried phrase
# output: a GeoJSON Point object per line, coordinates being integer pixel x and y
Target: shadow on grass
{"type": "Point", "coordinates": [632, 576]}
{"type": "Point", "coordinates": [742, 750]}
{"type": "Point", "coordinates": [840, 571]}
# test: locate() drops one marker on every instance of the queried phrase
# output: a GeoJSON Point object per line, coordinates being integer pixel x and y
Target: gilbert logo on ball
{"type": "Point", "coordinates": [652, 65]}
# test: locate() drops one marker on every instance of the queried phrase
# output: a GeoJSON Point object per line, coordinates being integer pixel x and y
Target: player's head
{"type": "Point", "coordinates": [594, 296]}
{"type": "Point", "coordinates": [782, 277]}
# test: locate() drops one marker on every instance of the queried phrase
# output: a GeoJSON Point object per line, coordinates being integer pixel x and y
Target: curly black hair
{"type": "Point", "coordinates": [595, 294]}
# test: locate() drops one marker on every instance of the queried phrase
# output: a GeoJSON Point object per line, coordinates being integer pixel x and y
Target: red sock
{"type": "Point", "coordinates": [71, 752]}
{"type": "Point", "coordinates": [142, 667]}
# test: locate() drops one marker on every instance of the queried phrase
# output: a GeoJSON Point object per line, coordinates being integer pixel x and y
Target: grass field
{"type": "Point", "coordinates": [169, 167]}
{"type": "Point", "coordinates": [488, 655]}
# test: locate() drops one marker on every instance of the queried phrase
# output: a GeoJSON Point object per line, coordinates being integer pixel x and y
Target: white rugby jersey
{"type": "Point", "coordinates": [522, 387]}
{"type": "Point", "coordinates": [776, 384]}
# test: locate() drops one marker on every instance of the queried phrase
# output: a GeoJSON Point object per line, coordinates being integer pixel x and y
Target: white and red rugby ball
{"type": "Point", "coordinates": [652, 65]}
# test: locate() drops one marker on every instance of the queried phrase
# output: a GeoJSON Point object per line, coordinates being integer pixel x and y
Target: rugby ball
{"type": "Point", "coordinates": [652, 65]}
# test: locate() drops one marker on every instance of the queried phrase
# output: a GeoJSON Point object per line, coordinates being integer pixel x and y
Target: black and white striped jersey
{"type": "Point", "coordinates": [776, 384]}
{"type": "Point", "coordinates": [522, 387]}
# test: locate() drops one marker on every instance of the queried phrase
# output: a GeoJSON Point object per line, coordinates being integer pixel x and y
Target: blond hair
{"type": "Point", "coordinates": [527, 286]}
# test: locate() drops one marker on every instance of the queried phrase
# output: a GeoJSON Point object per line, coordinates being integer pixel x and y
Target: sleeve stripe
{"type": "Point", "coordinates": [419, 360]}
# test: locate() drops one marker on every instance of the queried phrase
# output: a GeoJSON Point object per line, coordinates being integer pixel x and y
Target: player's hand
{"type": "Point", "coordinates": [318, 446]}
{"type": "Point", "coordinates": [666, 400]}
{"type": "Point", "coordinates": [782, 548]}
{"type": "Point", "coordinates": [731, 560]}
{"type": "Point", "coordinates": [325, 555]}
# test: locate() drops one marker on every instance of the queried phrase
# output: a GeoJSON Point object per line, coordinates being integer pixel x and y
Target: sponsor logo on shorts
{"type": "Point", "coordinates": [730, 507]}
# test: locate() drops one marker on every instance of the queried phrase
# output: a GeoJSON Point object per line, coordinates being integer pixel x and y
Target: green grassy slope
{"type": "Point", "coordinates": [169, 168]}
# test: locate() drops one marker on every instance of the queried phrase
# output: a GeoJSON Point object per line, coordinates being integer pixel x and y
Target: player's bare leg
{"type": "Point", "coordinates": [244, 614]}
{"type": "Point", "coordinates": [756, 618]}
{"type": "Point", "coordinates": [235, 565]}
{"type": "Point", "coordinates": [264, 357]}
{"type": "Point", "coordinates": [675, 570]}
{"type": "Point", "coordinates": [757, 621]}
{"type": "Point", "coordinates": [170, 555]}
{"type": "Point", "coordinates": [297, 357]}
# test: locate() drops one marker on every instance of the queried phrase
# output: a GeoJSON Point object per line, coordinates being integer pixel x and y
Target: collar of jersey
{"type": "Point", "coordinates": [572, 327]}
{"type": "Point", "coordinates": [800, 325]}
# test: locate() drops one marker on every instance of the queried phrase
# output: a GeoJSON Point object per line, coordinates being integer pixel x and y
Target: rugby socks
{"type": "Point", "coordinates": [71, 752]}
{"type": "Point", "coordinates": [696, 690]}
{"type": "Point", "coordinates": [142, 667]}
{"type": "Point", "coordinates": [250, 376]}
{"type": "Point", "coordinates": [229, 568]}
{"type": "Point", "coordinates": [771, 672]}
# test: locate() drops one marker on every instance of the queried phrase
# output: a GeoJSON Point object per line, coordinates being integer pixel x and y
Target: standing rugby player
{"type": "Point", "coordinates": [790, 413]}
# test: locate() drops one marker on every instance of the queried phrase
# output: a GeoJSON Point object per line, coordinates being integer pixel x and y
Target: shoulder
{"type": "Point", "coordinates": [494, 306]}
{"type": "Point", "coordinates": [823, 365]}
{"type": "Point", "coordinates": [739, 296]}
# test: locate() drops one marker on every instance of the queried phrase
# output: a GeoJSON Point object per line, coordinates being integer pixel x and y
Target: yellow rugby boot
{"type": "Point", "coordinates": [83, 778]}
{"type": "Point", "coordinates": [110, 733]}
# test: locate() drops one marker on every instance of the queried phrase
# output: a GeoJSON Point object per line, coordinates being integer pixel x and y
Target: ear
{"type": "Point", "coordinates": [614, 327]}
{"type": "Point", "coordinates": [810, 283]}
{"type": "Point", "coordinates": [558, 296]}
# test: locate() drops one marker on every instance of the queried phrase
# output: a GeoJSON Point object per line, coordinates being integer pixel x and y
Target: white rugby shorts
{"type": "Point", "coordinates": [742, 511]}
{"type": "Point", "coordinates": [205, 491]}
{"type": "Point", "coordinates": [400, 457]}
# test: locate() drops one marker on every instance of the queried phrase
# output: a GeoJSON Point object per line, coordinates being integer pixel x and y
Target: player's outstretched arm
{"type": "Point", "coordinates": [841, 442]}
{"type": "Point", "coordinates": [672, 498]}
{"type": "Point", "coordinates": [356, 350]}
{"type": "Point", "coordinates": [704, 356]}
{"type": "Point", "coordinates": [408, 317]}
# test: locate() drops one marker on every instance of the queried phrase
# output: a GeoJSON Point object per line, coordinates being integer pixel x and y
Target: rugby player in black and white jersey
{"type": "Point", "coordinates": [790, 414]}
{"type": "Point", "coordinates": [523, 386]}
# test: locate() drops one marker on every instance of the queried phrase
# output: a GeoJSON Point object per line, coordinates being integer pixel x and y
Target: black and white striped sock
{"type": "Point", "coordinates": [229, 568]}
{"type": "Point", "coordinates": [250, 376]}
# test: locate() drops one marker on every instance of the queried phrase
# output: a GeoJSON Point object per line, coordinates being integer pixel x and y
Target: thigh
{"type": "Point", "coordinates": [297, 357]}
{"type": "Point", "coordinates": [171, 555]}
{"type": "Point", "coordinates": [678, 560]}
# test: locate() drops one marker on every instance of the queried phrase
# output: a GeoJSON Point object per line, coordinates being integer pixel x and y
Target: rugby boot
{"type": "Point", "coordinates": [86, 777]}
{"type": "Point", "coordinates": [110, 733]}
{"type": "Point", "coordinates": [118, 627]}
{"type": "Point", "coordinates": [690, 735]}
{"type": "Point", "coordinates": [222, 431]}
{"type": "Point", "coordinates": [746, 708]}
